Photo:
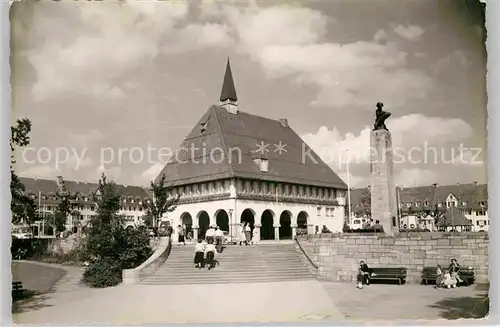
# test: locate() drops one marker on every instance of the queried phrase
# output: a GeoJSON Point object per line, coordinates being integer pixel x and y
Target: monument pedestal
{"type": "Point", "coordinates": [383, 191]}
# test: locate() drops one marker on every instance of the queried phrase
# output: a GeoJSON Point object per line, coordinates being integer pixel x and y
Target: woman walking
{"type": "Point", "coordinates": [248, 233]}
{"type": "Point", "coordinates": [180, 231]}
{"type": "Point", "coordinates": [243, 237]}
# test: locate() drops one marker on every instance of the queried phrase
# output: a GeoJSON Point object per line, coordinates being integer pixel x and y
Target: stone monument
{"type": "Point", "coordinates": [383, 191]}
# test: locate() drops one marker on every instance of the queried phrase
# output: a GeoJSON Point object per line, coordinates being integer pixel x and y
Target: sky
{"type": "Point", "coordinates": [97, 77]}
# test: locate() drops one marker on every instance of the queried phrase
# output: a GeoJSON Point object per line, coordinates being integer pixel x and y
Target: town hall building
{"type": "Point", "coordinates": [235, 167]}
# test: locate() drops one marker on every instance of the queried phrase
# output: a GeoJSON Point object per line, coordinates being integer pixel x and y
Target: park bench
{"type": "Point", "coordinates": [398, 274]}
{"type": "Point", "coordinates": [466, 274]}
{"type": "Point", "coordinates": [17, 289]}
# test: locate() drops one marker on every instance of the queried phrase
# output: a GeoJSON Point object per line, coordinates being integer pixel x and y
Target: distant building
{"type": "Point", "coordinates": [43, 191]}
{"type": "Point", "coordinates": [416, 204]}
{"type": "Point", "coordinates": [252, 169]}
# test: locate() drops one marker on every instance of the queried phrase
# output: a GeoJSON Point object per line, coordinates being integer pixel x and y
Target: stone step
{"type": "Point", "coordinates": [233, 270]}
{"type": "Point", "coordinates": [225, 280]}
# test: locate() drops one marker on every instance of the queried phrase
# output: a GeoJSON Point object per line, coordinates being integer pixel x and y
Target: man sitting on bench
{"type": "Point", "coordinates": [364, 273]}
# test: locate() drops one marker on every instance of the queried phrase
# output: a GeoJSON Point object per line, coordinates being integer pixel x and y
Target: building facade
{"type": "Point", "coordinates": [44, 191]}
{"type": "Point", "coordinates": [416, 204]}
{"type": "Point", "coordinates": [251, 169]}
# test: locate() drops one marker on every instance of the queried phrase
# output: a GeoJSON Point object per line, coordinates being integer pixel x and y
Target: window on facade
{"type": "Point", "coordinates": [356, 221]}
{"type": "Point", "coordinates": [418, 203]}
{"type": "Point", "coordinates": [318, 211]}
{"type": "Point", "coordinates": [263, 187]}
{"type": "Point", "coordinates": [482, 203]}
{"type": "Point", "coordinates": [426, 203]}
{"type": "Point", "coordinates": [408, 205]}
{"type": "Point", "coordinates": [272, 188]}
{"type": "Point", "coordinates": [440, 205]}
{"type": "Point", "coordinates": [481, 213]}
{"type": "Point", "coordinates": [307, 191]}
{"type": "Point", "coordinates": [286, 189]}
{"type": "Point", "coordinates": [226, 185]}
{"type": "Point", "coordinates": [294, 190]}
{"type": "Point", "coordinates": [320, 192]}
{"type": "Point", "coordinates": [301, 190]}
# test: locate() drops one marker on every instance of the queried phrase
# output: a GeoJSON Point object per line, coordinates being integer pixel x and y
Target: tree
{"type": "Point", "coordinates": [23, 207]}
{"type": "Point", "coordinates": [109, 245]}
{"type": "Point", "coordinates": [366, 203]}
{"type": "Point", "coordinates": [65, 206]}
{"type": "Point", "coordinates": [162, 203]}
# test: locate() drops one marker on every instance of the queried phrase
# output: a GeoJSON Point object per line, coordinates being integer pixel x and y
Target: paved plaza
{"type": "Point", "coordinates": [305, 301]}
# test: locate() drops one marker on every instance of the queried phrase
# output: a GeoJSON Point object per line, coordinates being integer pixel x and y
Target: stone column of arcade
{"type": "Point", "coordinates": [195, 233]}
{"type": "Point", "coordinates": [294, 231]}
{"type": "Point", "coordinates": [310, 229]}
{"type": "Point", "coordinates": [277, 232]}
{"type": "Point", "coordinates": [257, 228]}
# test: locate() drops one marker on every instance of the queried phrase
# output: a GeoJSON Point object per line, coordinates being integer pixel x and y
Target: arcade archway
{"type": "Point", "coordinates": [222, 220]}
{"type": "Point", "coordinates": [248, 216]}
{"type": "Point", "coordinates": [302, 223]}
{"type": "Point", "coordinates": [203, 223]}
{"type": "Point", "coordinates": [285, 225]}
{"type": "Point", "coordinates": [187, 222]}
{"type": "Point", "coordinates": [267, 225]}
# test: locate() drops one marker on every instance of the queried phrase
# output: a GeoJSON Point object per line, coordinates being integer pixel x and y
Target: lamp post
{"type": "Point", "coordinates": [230, 211]}
{"type": "Point", "coordinates": [348, 187]}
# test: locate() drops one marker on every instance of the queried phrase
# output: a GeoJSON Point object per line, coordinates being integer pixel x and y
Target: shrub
{"type": "Point", "coordinates": [103, 273]}
{"type": "Point", "coordinates": [28, 248]}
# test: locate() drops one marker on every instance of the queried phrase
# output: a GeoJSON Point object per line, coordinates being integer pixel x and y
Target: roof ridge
{"type": "Point", "coordinates": [223, 142]}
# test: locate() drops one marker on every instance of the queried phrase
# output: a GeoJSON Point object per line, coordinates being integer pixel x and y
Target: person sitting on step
{"type": "Point", "coordinates": [199, 253]}
{"type": "Point", "coordinates": [210, 251]}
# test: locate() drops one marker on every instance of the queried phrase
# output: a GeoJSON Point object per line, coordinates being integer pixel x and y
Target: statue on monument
{"type": "Point", "coordinates": [380, 117]}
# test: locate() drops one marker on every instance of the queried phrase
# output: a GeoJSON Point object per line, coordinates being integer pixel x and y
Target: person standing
{"type": "Point", "coordinates": [209, 235]}
{"type": "Point", "coordinates": [180, 231]}
{"type": "Point", "coordinates": [255, 236]}
{"type": "Point", "coordinates": [243, 237]}
{"type": "Point", "coordinates": [199, 253]}
{"type": "Point", "coordinates": [219, 236]}
{"type": "Point", "coordinates": [210, 254]}
{"type": "Point", "coordinates": [248, 233]}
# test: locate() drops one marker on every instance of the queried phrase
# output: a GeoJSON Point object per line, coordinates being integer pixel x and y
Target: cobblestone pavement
{"type": "Point", "coordinates": [305, 301]}
{"type": "Point", "coordinates": [407, 302]}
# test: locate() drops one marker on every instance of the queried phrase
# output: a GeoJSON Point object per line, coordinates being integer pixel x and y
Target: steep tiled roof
{"type": "Point", "coordinates": [231, 141]}
{"type": "Point", "coordinates": [470, 196]}
{"type": "Point", "coordinates": [453, 217]}
{"type": "Point", "coordinates": [50, 187]}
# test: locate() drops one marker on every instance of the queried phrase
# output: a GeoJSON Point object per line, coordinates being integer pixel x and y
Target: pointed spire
{"type": "Point", "coordinates": [228, 90]}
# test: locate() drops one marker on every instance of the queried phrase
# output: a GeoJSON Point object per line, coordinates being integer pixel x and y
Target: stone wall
{"type": "Point", "coordinates": [338, 255]}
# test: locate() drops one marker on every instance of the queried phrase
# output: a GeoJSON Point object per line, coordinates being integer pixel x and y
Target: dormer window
{"type": "Point", "coordinates": [426, 203]}
{"type": "Point", "coordinates": [263, 164]}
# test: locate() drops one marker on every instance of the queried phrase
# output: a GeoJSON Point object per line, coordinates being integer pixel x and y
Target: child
{"type": "Point", "coordinates": [439, 278]}
{"type": "Point", "coordinates": [199, 251]}
{"type": "Point", "coordinates": [449, 281]}
{"type": "Point", "coordinates": [210, 251]}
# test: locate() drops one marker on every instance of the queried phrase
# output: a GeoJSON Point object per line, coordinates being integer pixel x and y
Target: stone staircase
{"type": "Point", "coordinates": [237, 264]}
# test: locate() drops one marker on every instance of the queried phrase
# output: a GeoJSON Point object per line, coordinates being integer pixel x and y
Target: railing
{"type": "Point", "coordinates": [315, 265]}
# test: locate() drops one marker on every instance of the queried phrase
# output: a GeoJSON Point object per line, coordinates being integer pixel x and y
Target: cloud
{"type": "Point", "coordinates": [107, 40]}
{"type": "Point", "coordinates": [410, 177]}
{"type": "Point", "coordinates": [411, 32]}
{"type": "Point", "coordinates": [151, 173]}
{"type": "Point", "coordinates": [407, 134]}
{"type": "Point", "coordinates": [413, 148]}
{"type": "Point", "coordinates": [112, 173]}
{"type": "Point", "coordinates": [356, 73]}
